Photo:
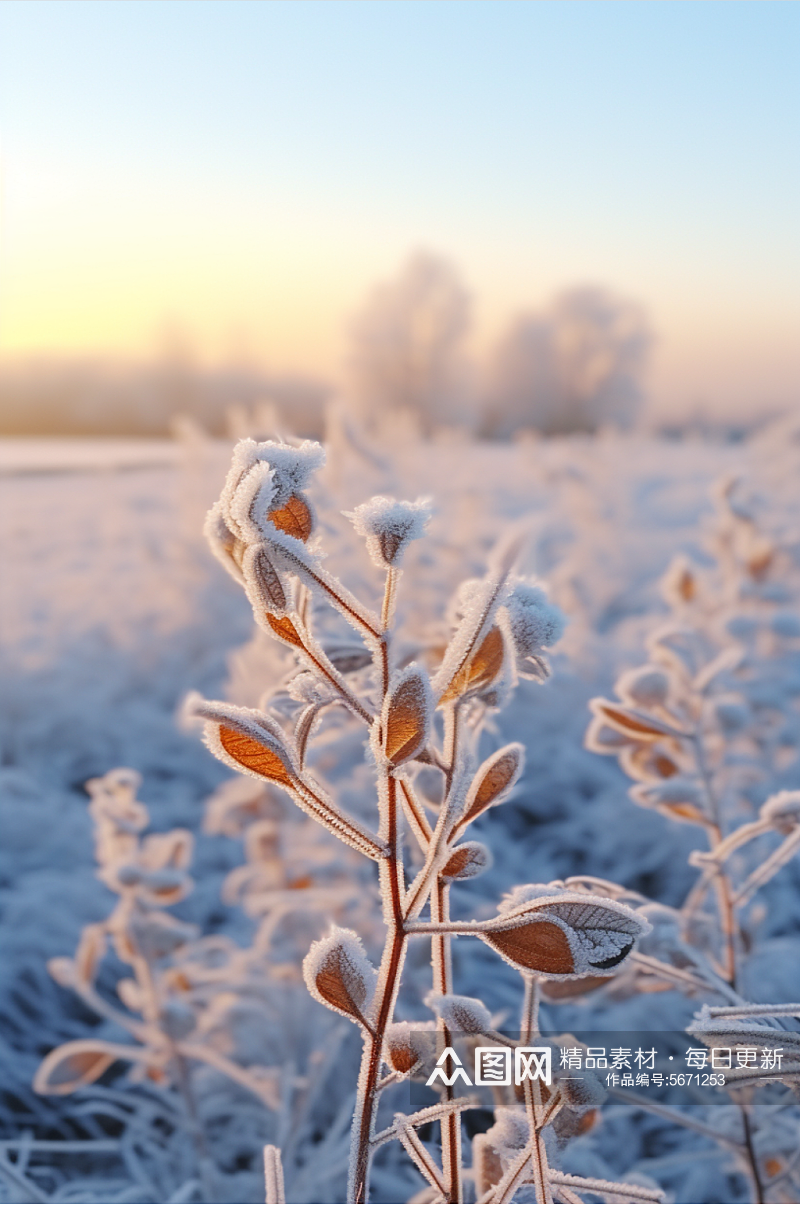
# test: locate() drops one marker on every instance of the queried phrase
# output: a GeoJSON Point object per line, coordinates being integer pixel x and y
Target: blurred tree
{"type": "Point", "coordinates": [406, 354]}
{"type": "Point", "coordinates": [576, 367]}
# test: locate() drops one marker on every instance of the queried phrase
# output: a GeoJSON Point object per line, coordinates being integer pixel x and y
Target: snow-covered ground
{"type": "Point", "coordinates": [112, 608]}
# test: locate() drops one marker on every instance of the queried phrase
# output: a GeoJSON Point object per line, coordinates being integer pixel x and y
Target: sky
{"type": "Point", "coordinates": [239, 173]}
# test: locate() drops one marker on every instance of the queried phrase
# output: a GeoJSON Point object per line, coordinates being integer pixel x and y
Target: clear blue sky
{"type": "Point", "coordinates": [248, 169]}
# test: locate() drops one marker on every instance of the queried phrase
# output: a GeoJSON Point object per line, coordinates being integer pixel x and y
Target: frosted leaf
{"type": "Point", "coordinates": [648, 763]}
{"type": "Point", "coordinates": [677, 797]}
{"type": "Point", "coordinates": [535, 622]}
{"type": "Point", "coordinates": [74, 1065]}
{"type": "Point", "coordinates": [408, 1045]}
{"type": "Point", "coordinates": [482, 670]}
{"type": "Point", "coordinates": [782, 811]}
{"type": "Point", "coordinates": [510, 1132]}
{"type": "Point", "coordinates": [647, 686]}
{"type": "Point", "coordinates": [90, 951]}
{"type": "Point", "coordinates": [339, 974]}
{"type": "Point", "coordinates": [634, 724]}
{"type": "Point", "coordinates": [249, 504]}
{"type": "Point", "coordinates": [569, 934]}
{"type": "Point", "coordinates": [679, 583]}
{"type": "Point", "coordinates": [407, 715]}
{"type": "Point", "coordinates": [474, 656]}
{"type": "Point", "coordinates": [733, 1032]}
{"type": "Point", "coordinates": [266, 589]}
{"type": "Point", "coordinates": [585, 1093]}
{"type": "Point", "coordinates": [389, 526]}
{"type": "Point", "coordinates": [245, 739]}
{"type": "Point", "coordinates": [225, 544]}
{"type": "Point", "coordinates": [158, 934]}
{"type": "Point", "coordinates": [466, 861]}
{"type": "Point", "coordinates": [495, 779]}
{"type": "Point", "coordinates": [602, 738]}
{"type": "Point", "coordinates": [464, 1014]}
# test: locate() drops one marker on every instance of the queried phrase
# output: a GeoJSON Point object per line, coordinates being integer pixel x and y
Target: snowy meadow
{"type": "Point", "coordinates": [586, 646]}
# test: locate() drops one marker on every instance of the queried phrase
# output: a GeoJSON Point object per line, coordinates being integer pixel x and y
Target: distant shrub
{"type": "Point", "coordinates": [576, 367]}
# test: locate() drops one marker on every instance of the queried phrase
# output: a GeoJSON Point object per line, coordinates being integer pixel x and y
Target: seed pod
{"type": "Point", "coordinates": [407, 715]}
{"type": "Point", "coordinates": [493, 781]}
{"type": "Point", "coordinates": [339, 974]}
{"type": "Point", "coordinates": [466, 861]}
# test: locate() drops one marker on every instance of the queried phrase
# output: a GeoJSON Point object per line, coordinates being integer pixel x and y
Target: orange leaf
{"type": "Point", "coordinates": [285, 630]}
{"type": "Point", "coordinates": [492, 779]}
{"type": "Point", "coordinates": [630, 723]}
{"type": "Point", "coordinates": [254, 756]}
{"type": "Point", "coordinates": [407, 718]}
{"type": "Point", "coordinates": [482, 668]}
{"type": "Point", "coordinates": [293, 518]}
{"type": "Point", "coordinates": [72, 1066]}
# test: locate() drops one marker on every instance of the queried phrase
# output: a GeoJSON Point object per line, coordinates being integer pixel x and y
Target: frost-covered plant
{"type": "Point", "coordinates": [177, 981]}
{"type": "Point", "coordinates": [263, 529]}
{"type": "Point", "coordinates": [707, 728]}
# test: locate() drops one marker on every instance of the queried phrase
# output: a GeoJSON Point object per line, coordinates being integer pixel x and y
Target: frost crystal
{"type": "Point", "coordinates": [389, 526]}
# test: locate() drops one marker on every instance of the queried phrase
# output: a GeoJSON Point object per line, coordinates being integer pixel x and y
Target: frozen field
{"type": "Point", "coordinates": [112, 609]}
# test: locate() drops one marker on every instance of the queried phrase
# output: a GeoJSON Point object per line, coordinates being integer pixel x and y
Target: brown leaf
{"type": "Point", "coordinates": [249, 753]}
{"type": "Point", "coordinates": [538, 946]}
{"type": "Point", "coordinates": [407, 717]}
{"type": "Point", "coordinates": [294, 518]}
{"type": "Point", "coordinates": [285, 630]}
{"type": "Point", "coordinates": [482, 668]}
{"type": "Point", "coordinates": [339, 980]}
{"type": "Point", "coordinates": [467, 861]}
{"type": "Point", "coordinates": [72, 1066]}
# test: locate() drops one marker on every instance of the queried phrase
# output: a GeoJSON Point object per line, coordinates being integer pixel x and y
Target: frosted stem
{"type": "Point", "coordinates": [392, 888]}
